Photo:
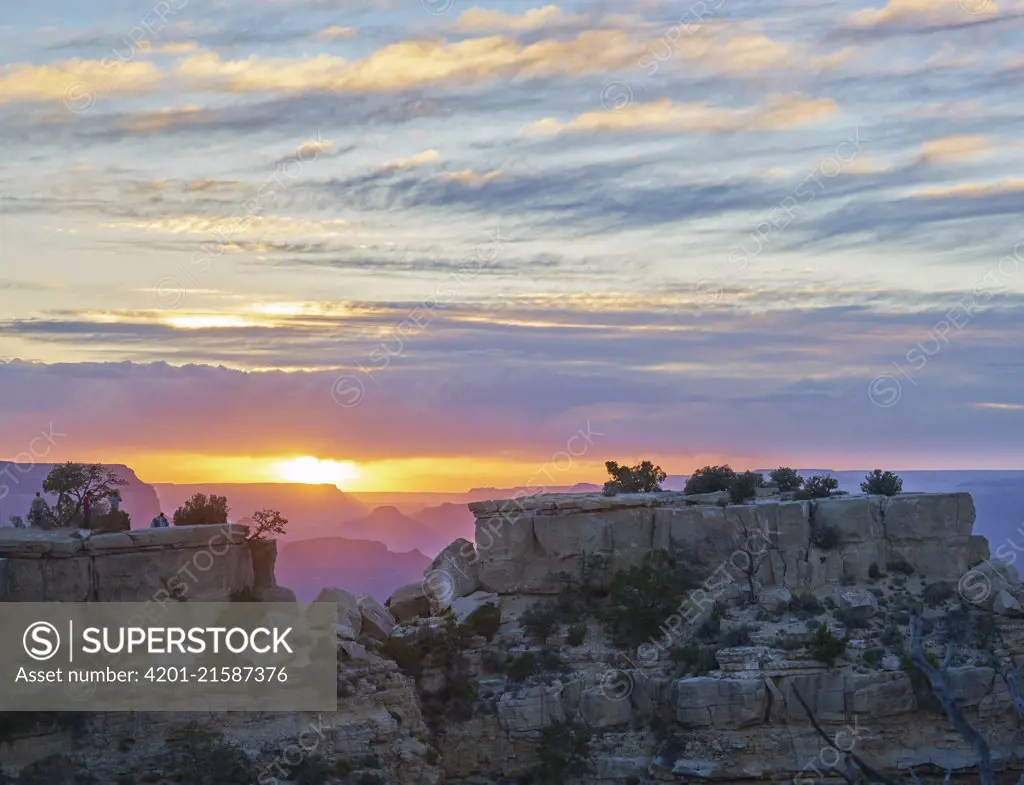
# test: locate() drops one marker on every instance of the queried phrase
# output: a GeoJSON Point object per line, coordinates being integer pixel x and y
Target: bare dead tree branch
{"type": "Point", "coordinates": [872, 775]}
{"type": "Point", "coordinates": [938, 679]}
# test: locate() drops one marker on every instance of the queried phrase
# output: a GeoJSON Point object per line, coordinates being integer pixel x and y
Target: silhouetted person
{"type": "Point", "coordinates": [115, 502]}
{"type": "Point", "coordinates": [86, 512]}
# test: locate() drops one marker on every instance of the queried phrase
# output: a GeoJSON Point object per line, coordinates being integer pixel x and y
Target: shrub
{"type": "Point", "coordinates": [851, 621]}
{"type": "Point", "coordinates": [787, 479]}
{"type": "Point", "coordinates": [200, 510]}
{"type": "Point", "coordinates": [826, 647]}
{"type": "Point", "coordinates": [643, 597]}
{"type": "Point", "coordinates": [710, 627]}
{"type": "Point", "coordinates": [882, 483]}
{"type": "Point", "coordinates": [744, 486]}
{"type": "Point", "coordinates": [873, 656]}
{"type": "Point", "coordinates": [199, 756]}
{"type": "Point", "coordinates": [316, 770]}
{"type": "Point", "coordinates": [900, 565]}
{"type": "Point", "coordinates": [818, 487]}
{"type": "Point", "coordinates": [564, 753]}
{"type": "Point", "coordinates": [807, 603]}
{"type": "Point", "coordinates": [539, 620]}
{"type": "Point", "coordinates": [522, 667]}
{"type": "Point", "coordinates": [892, 636]}
{"type": "Point", "coordinates": [695, 659]}
{"type": "Point", "coordinates": [710, 479]}
{"type": "Point", "coordinates": [874, 573]}
{"type": "Point", "coordinates": [935, 593]}
{"type": "Point", "coordinates": [408, 656]}
{"type": "Point", "coordinates": [642, 478]}
{"type": "Point", "coordinates": [739, 636]}
{"type": "Point", "coordinates": [485, 620]}
{"type": "Point", "coordinates": [577, 634]}
{"type": "Point", "coordinates": [493, 662]}
{"type": "Point", "coordinates": [824, 536]}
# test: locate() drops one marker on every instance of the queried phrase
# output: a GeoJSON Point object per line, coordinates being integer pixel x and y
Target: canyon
{"type": "Point", "coordinates": [508, 661]}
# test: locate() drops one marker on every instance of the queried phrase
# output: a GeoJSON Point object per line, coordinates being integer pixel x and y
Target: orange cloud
{"type": "Point", "coordinates": [478, 19]}
{"type": "Point", "coordinates": [51, 82]}
{"type": "Point", "coordinates": [420, 159]}
{"type": "Point", "coordinates": [972, 190]}
{"type": "Point", "coordinates": [780, 112]}
{"type": "Point", "coordinates": [953, 148]}
{"type": "Point", "coordinates": [334, 32]}
{"type": "Point", "coordinates": [410, 64]}
{"type": "Point", "coordinates": [469, 177]}
{"type": "Point", "coordinates": [159, 119]}
{"type": "Point", "coordinates": [924, 12]}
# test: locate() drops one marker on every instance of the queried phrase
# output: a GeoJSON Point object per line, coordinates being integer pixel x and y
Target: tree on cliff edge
{"type": "Point", "coordinates": [202, 510]}
{"type": "Point", "coordinates": [642, 478]}
{"type": "Point", "coordinates": [72, 482]}
{"type": "Point", "coordinates": [266, 524]}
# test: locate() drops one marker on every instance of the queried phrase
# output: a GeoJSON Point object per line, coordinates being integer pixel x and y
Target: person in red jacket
{"type": "Point", "coordinates": [86, 511]}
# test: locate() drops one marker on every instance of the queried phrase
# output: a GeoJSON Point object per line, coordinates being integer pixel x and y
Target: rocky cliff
{"type": "Point", "coordinates": [629, 639]}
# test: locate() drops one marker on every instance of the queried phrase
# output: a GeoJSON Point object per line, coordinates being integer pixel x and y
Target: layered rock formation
{"type": "Point", "coordinates": [203, 563]}
{"type": "Point", "coordinates": [471, 684]}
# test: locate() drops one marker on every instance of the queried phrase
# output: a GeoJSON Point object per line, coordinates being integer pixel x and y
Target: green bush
{"type": "Point", "coordinates": [826, 647]}
{"type": "Point", "coordinates": [316, 770]}
{"type": "Point", "coordinates": [642, 478]}
{"type": "Point", "coordinates": [740, 636]}
{"type": "Point", "coordinates": [787, 479]}
{"type": "Point", "coordinates": [818, 487]}
{"type": "Point", "coordinates": [873, 656]}
{"type": "Point", "coordinates": [409, 656]}
{"type": "Point", "coordinates": [485, 620]}
{"type": "Point", "coordinates": [882, 483]}
{"type": "Point", "coordinates": [540, 620]}
{"type": "Point", "coordinates": [824, 536]}
{"type": "Point", "coordinates": [493, 662]}
{"type": "Point", "coordinates": [807, 603]}
{"type": "Point", "coordinates": [695, 659]}
{"type": "Point", "coordinates": [577, 635]}
{"type": "Point", "coordinates": [564, 753]}
{"type": "Point", "coordinates": [744, 486]}
{"type": "Point", "coordinates": [852, 622]}
{"type": "Point", "coordinates": [900, 565]}
{"type": "Point", "coordinates": [874, 573]}
{"type": "Point", "coordinates": [710, 479]}
{"type": "Point", "coordinates": [643, 597]}
{"type": "Point", "coordinates": [522, 667]}
{"type": "Point", "coordinates": [936, 593]}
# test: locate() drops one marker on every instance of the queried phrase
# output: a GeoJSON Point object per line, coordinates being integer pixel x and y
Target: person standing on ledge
{"type": "Point", "coordinates": [86, 511]}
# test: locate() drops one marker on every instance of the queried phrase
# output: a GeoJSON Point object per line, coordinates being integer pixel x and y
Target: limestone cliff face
{"type": "Point", "coordinates": [710, 697]}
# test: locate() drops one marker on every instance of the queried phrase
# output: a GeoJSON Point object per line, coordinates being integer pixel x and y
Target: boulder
{"type": "Point", "coordinates": [453, 574]}
{"type": "Point", "coordinates": [409, 602]}
{"type": "Point", "coordinates": [349, 613]}
{"type": "Point", "coordinates": [1004, 604]}
{"type": "Point", "coordinates": [532, 708]}
{"type": "Point", "coordinates": [859, 602]}
{"type": "Point", "coordinates": [377, 623]}
{"type": "Point", "coordinates": [601, 708]}
{"type": "Point", "coordinates": [273, 594]}
{"type": "Point", "coordinates": [464, 607]}
{"type": "Point", "coordinates": [720, 703]}
{"type": "Point", "coordinates": [264, 560]}
{"type": "Point", "coordinates": [774, 599]}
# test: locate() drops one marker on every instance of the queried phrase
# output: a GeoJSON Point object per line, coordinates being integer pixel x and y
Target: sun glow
{"type": "Point", "coordinates": [313, 471]}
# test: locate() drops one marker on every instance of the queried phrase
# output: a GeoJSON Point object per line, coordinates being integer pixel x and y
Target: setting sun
{"type": "Point", "coordinates": [313, 471]}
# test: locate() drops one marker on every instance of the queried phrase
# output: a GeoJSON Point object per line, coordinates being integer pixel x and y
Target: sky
{"type": "Point", "coordinates": [439, 244]}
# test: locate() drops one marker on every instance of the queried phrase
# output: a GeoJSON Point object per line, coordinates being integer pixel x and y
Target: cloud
{"type": "Point", "coordinates": [419, 159]}
{"type": "Point", "coordinates": [169, 48]}
{"type": "Point", "coordinates": [779, 112]}
{"type": "Point", "coordinates": [335, 32]}
{"type": "Point", "coordinates": [163, 119]}
{"type": "Point", "coordinates": [924, 13]}
{"type": "Point", "coordinates": [248, 225]}
{"type": "Point", "coordinates": [411, 64]}
{"type": "Point", "coordinates": [972, 190]}
{"type": "Point", "coordinates": [52, 82]}
{"type": "Point", "coordinates": [954, 148]}
{"type": "Point", "coordinates": [478, 19]}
